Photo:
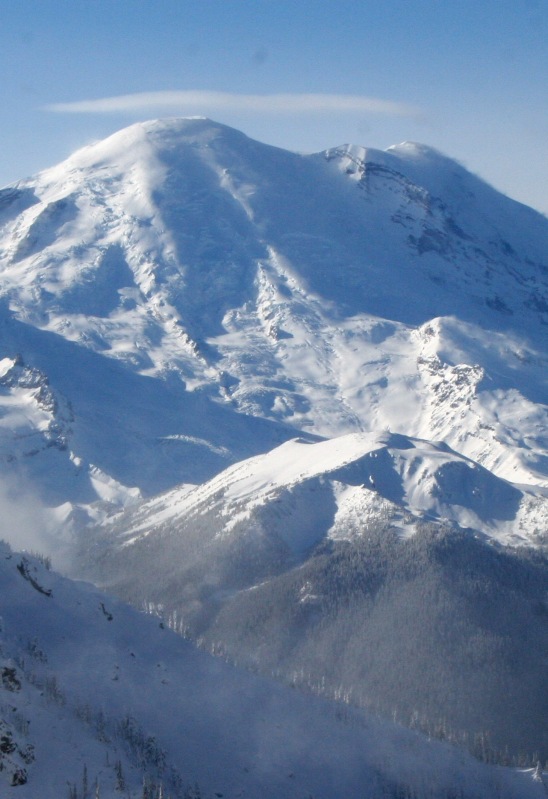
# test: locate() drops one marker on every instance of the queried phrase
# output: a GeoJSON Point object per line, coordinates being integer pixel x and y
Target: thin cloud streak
{"type": "Point", "coordinates": [192, 101]}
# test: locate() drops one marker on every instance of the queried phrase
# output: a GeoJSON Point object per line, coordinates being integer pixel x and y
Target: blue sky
{"type": "Point", "coordinates": [469, 77]}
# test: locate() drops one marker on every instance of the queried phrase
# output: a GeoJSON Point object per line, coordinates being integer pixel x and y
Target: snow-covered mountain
{"type": "Point", "coordinates": [290, 402]}
{"type": "Point", "coordinates": [179, 297]}
{"type": "Point", "coordinates": [99, 700]}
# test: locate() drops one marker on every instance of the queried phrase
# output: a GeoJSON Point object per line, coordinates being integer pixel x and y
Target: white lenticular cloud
{"type": "Point", "coordinates": [191, 101]}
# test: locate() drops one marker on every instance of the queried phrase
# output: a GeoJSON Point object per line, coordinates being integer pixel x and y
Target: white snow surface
{"type": "Point", "coordinates": [190, 298]}
{"type": "Point", "coordinates": [88, 683]}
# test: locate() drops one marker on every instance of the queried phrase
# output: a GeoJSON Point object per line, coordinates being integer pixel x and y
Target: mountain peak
{"type": "Point", "coordinates": [417, 150]}
{"type": "Point", "coordinates": [142, 141]}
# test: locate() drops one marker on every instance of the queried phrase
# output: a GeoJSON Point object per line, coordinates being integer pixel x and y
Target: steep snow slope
{"type": "Point", "coordinates": [91, 685]}
{"type": "Point", "coordinates": [227, 282]}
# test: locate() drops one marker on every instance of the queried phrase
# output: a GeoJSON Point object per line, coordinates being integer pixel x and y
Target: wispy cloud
{"type": "Point", "coordinates": [193, 101]}
{"type": "Point", "coordinates": [25, 523]}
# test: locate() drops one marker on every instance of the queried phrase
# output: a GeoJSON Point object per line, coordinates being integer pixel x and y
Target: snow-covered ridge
{"type": "Point", "coordinates": [304, 492]}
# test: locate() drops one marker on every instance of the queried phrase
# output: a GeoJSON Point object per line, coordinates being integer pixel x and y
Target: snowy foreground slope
{"type": "Point", "coordinates": [179, 297]}
{"type": "Point", "coordinates": [93, 691]}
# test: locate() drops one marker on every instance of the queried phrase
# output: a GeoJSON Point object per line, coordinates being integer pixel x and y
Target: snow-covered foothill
{"type": "Point", "coordinates": [304, 492]}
